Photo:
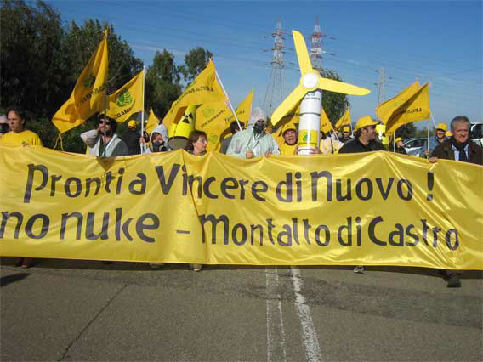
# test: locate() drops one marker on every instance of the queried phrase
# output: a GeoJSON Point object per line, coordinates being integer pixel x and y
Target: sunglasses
{"type": "Point", "coordinates": [107, 123]}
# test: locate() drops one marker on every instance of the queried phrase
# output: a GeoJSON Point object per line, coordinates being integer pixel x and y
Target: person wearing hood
{"type": "Point", "coordinates": [253, 141]}
{"type": "Point", "coordinates": [158, 140]}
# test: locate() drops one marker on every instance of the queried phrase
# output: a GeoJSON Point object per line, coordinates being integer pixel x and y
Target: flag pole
{"type": "Point", "coordinates": [142, 116]}
{"type": "Point", "coordinates": [229, 103]}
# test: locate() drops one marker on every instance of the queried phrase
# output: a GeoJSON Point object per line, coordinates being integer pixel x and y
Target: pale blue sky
{"type": "Point", "coordinates": [435, 41]}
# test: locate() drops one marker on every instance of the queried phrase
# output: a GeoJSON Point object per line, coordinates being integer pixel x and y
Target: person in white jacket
{"type": "Point", "coordinates": [253, 141]}
{"type": "Point", "coordinates": [103, 141]}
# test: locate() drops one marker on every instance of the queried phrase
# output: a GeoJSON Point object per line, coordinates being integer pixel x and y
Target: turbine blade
{"type": "Point", "coordinates": [341, 87]}
{"type": "Point", "coordinates": [302, 53]}
{"type": "Point", "coordinates": [288, 104]}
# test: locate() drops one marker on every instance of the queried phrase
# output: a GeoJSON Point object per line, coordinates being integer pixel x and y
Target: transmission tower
{"type": "Point", "coordinates": [380, 86]}
{"type": "Point", "coordinates": [316, 46]}
{"type": "Point", "coordinates": [275, 91]}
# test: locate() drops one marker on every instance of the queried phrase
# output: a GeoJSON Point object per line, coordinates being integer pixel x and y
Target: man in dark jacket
{"type": "Point", "coordinates": [365, 137]}
{"type": "Point", "coordinates": [365, 141]}
{"type": "Point", "coordinates": [131, 138]}
{"type": "Point", "coordinates": [458, 148]}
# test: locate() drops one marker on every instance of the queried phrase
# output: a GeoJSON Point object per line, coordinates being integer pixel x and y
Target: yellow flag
{"type": "Point", "coordinates": [153, 121]}
{"type": "Point", "coordinates": [127, 100]}
{"type": "Point", "coordinates": [215, 119]}
{"type": "Point", "coordinates": [88, 95]}
{"type": "Point", "coordinates": [345, 120]}
{"type": "Point", "coordinates": [325, 125]}
{"type": "Point", "coordinates": [244, 109]}
{"type": "Point", "coordinates": [416, 108]}
{"type": "Point", "coordinates": [204, 89]}
{"type": "Point", "coordinates": [387, 109]}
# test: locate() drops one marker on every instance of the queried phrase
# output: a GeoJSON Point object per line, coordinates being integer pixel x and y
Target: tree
{"type": "Point", "coordinates": [41, 61]}
{"type": "Point", "coordinates": [334, 104]}
{"type": "Point", "coordinates": [81, 42]}
{"type": "Point", "coordinates": [31, 68]}
{"type": "Point", "coordinates": [194, 62]}
{"type": "Point", "coordinates": [162, 83]}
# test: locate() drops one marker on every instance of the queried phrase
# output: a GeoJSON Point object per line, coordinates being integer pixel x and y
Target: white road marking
{"type": "Point", "coordinates": [311, 342]}
{"type": "Point", "coordinates": [275, 332]}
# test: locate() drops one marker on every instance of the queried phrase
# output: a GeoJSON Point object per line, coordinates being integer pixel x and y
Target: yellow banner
{"type": "Point", "coordinates": [88, 96]}
{"type": "Point", "coordinates": [203, 90]}
{"type": "Point", "coordinates": [127, 100]}
{"type": "Point", "coordinates": [415, 109]}
{"type": "Point", "coordinates": [375, 208]}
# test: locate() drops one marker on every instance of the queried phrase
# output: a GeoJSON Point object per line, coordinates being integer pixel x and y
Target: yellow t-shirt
{"type": "Point", "coordinates": [287, 150]}
{"type": "Point", "coordinates": [25, 137]}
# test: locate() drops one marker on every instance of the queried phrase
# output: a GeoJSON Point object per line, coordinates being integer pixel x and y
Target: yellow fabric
{"type": "Point", "coordinates": [287, 150]}
{"type": "Point", "coordinates": [186, 125]}
{"type": "Point", "coordinates": [153, 121]}
{"type": "Point", "coordinates": [204, 89]}
{"type": "Point", "coordinates": [152, 215]}
{"type": "Point", "coordinates": [325, 124]}
{"type": "Point", "coordinates": [389, 107]}
{"type": "Point", "coordinates": [215, 119]}
{"type": "Point", "coordinates": [415, 109]}
{"type": "Point", "coordinates": [88, 96]}
{"type": "Point", "coordinates": [244, 109]}
{"type": "Point", "coordinates": [26, 137]}
{"type": "Point", "coordinates": [127, 100]}
{"type": "Point", "coordinates": [365, 121]}
{"type": "Point", "coordinates": [345, 120]}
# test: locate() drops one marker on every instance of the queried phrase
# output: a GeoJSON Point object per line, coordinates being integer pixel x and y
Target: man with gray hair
{"type": "Point", "coordinates": [458, 148]}
{"type": "Point", "coordinates": [253, 141]}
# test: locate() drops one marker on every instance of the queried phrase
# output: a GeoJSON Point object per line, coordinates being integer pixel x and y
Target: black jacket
{"type": "Point", "coordinates": [445, 152]}
{"type": "Point", "coordinates": [354, 146]}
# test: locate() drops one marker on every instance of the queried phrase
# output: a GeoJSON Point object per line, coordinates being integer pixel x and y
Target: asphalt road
{"type": "Point", "coordinates": [86, 310]}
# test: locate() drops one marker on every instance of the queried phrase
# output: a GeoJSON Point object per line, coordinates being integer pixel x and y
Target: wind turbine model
{"type": "Point", "coordinates": [309, 91]}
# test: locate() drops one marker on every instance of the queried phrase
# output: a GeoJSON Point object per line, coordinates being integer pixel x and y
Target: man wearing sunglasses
{"type": "Point", "coordinates": [103, 141]}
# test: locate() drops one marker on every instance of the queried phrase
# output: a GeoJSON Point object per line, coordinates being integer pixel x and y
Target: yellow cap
{"type": "Point", "coordinates": [449, 134]}
{"type": "Point", "coordinates": [346, 129]}
{"type": "Point", "coordinates": [289, 126]}
{"type": "Point", "coordinates": [132, 123]}
{"type": "Point", "coordinates": [365, 121]}
{"type": "Point", "coordinates": [441, 126]}
{"type": "Point", "coordinates": [398, 139]}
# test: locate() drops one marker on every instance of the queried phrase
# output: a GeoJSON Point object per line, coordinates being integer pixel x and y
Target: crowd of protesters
{"type": "Point", "coordinates": [254, 141]}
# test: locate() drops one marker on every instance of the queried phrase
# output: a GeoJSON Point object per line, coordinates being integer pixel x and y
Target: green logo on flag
{"type": "Point", "coordinates": [89, 80]}
{"type": "Point", "coordinates": [208, 112]}
{"type": "Point", "coordinates": [124, 99]}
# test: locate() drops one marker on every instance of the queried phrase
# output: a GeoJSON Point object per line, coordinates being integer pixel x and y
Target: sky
{"type": "Point", "coordinates": [432, 41]}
